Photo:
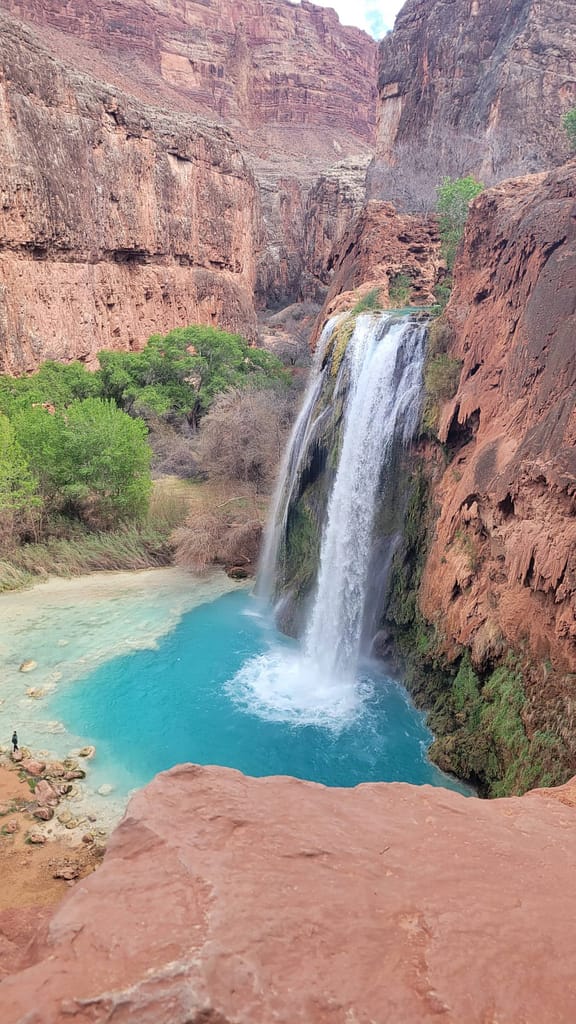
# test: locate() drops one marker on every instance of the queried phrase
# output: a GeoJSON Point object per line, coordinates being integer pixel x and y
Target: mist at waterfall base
{"type": "Point", "coordinates": [225, 687]}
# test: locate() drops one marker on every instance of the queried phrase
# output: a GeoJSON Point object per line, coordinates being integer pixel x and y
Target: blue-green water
{"type": "Point", "coordinates": [225, 688]}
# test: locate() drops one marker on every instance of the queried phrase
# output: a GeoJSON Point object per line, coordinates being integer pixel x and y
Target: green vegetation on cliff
{"type": "Point", "coordinates": [569, 122]}
{"type": "Point", "coordinates": [479, 718]}
{"type": "Point", "coordinates": [454, 198]}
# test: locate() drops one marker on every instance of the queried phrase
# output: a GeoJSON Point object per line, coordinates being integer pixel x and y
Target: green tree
{"type": "Point", "coordinates": [56, 384]}
{"type": "Point", "coordinates": [92, 460]}
{"type": "Point", "coordinates": [569, 122]}
{"type": "Point", "coordinates": [182, 371]}
{"type": "Point", "coordinates": [107, 458]}
{"type": "Point", "coordinates": [454, 198]}
{"type": "Point", "coordinates": [18, 490]}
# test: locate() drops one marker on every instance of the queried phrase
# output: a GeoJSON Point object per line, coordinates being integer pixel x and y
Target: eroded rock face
{"type": "Point", "coordinates": [117, 219]}
{"type": "Point", "coordinates": [228, 899]}
{"type": "Point", "coordinates": [472, 86]}
{"type": "Point", "coordinates": [155, 163]}
{"type": "Point", "coordinates": [397, 254]}
{"type": "Point", "coordinates": [501, 572]}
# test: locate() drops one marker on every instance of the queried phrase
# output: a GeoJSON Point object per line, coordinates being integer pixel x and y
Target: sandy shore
{"type": "Point", "coordinates": [67, 627]}
{"type": "Point", "coordinates": [28, 871]}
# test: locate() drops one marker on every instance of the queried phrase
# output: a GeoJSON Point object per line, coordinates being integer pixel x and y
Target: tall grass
{"type": "Point", "coordinates": [142, 546]}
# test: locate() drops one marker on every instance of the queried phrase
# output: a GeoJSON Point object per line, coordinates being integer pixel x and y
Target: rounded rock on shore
{"type": "Point", "coordinates": [33, 767]}
{"type": "Point", "coordinates": [28, 665]}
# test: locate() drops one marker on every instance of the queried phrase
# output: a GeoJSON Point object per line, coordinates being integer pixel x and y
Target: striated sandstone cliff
{"type": "Point", "coordinates": [156, 160]}
{"type": "Point", "coordinates": [117, 219]}
{"type": "Point", "coordinates": [501, 572]}
{"type": "Point", "coordinates": [227, 899]}
{"type": "Point", "coordinates": [472, 86]}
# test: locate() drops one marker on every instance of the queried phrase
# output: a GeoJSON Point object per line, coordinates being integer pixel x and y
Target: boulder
{"type": "Point", "coordinates": [273, 899]}
{"type": "Point", "coordinates": [67, 872]}
{"type": "Point", "coordinates": [45, 794]}
{"type": "Point", "coordinates": [44, 813]}
{"type": "Point", "coordinates": [33, 767]}
{"type": "Point", "coordinates": [37, 838]}
{"type": "Point", "coordinates": [28, 666]}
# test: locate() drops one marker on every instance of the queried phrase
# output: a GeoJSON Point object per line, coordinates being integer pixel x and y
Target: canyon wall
{"type": "Point", "coordinates": [117, 219]}
{"type": "Point", "coordinates": [156, 162]}
{"type": "Point", "coordinates": [472, 86]}
{"type": "Point", "coordinates": [226, 899]}
{"type": "Point", "coordinates": [501, 570]}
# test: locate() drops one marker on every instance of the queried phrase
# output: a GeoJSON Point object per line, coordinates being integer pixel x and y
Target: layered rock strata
{"type": "Point", "coordinates": [472, 86]}
{"type": "Point", "coordinates": [156, 161]}
{"type": "Point", "coordinates": [117, 220]}
{"type": "Point", "coordinates": [228, 899]}
{"type": "Point", "coordinates": [393, 254]}
{"type": "Point", "coordinates": [501, 572]}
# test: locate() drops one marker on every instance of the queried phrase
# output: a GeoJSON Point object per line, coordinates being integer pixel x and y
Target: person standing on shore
{"type": "Point", "coordinates": [14, 741]}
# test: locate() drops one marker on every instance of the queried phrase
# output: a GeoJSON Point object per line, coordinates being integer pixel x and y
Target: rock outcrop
{"type": "Point", "coordinates": [472, 86]}
{"type": "Point", "coordinates": [398, 254]}
{"type": "Point", "coordinates": [228, 899]}
{"type": "Point", "coordinates": [501, 572]}
{"type": "Point", "coordinates": [155, 164]}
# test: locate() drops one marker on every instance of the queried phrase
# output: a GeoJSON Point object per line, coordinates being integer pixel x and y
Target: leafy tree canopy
{"type": "Point", "coordinates": [454, 198]}
{"type": "Point", "coordinates": [92, 458]}
{"type": "Point", "coordinates": [184, 370]}
{"type": "Point", "coordinates": [17, 484]}
{"type": "Point", "coordinates": [56, 384]}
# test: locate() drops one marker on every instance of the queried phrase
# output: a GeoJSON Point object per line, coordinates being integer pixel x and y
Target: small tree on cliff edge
{"type": "Point", "coordinates": [454, 198]}
{"type": "Point", "coordinates": [569, 122]}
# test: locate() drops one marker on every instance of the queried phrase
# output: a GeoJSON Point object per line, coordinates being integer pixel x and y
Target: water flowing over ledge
{"type": "Point", "coordinates": [378, 388]}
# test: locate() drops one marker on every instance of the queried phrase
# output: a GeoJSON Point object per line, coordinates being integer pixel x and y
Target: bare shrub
{"type": "Point", "coordinates": [221, 530]}
{"type": "Point", "coordinates": [242, 438]}
{"type": "Point", "coordinates": [176, 457]}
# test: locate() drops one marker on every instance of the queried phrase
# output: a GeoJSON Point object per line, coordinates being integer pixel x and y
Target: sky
{"type": "Point", "coordinates": [374, 16]}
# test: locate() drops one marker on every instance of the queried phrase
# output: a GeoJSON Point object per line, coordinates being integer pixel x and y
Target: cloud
{"type": "Point", "coordinates": [374, 16]}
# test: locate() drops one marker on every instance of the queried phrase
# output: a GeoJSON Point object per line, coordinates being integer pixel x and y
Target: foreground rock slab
{"type": "Point", "coordinates": [232, 900]}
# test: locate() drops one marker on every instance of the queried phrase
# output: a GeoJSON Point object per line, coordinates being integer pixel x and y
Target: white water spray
{"type": "Point", "coordinates": [318, 685]}
{"type": "Point", "coordinates": [385, 365]}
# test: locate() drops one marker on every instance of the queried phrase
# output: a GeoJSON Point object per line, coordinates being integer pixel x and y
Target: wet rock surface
{"type": "Point", "coordinates": [249, 900]}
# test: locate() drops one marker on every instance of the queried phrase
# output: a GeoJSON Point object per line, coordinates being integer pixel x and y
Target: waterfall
{"type": "Point", "coordinates": [360, 406]}
{"type": "Point", "coordinates": [385, 366]}
{"type": "Point", "coordinates": [289, 469]}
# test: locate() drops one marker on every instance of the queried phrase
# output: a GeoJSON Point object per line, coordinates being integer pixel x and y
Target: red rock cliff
{"type": "Point", "coordinates": [227, 899]}
{"type": "Point", "coordinates": [501, 573]}
{"type": "Point", "coordinates": [472, 86]}
{"type": "Point", "coordinates": [123, 209]}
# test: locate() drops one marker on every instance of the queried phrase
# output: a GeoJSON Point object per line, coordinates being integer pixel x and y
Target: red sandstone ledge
{"type": "Point", "coordinates": [234, 900]}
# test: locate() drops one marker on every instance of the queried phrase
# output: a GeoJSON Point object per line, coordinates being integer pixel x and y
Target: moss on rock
{"type": "Point", "coordinates": [480, 720]}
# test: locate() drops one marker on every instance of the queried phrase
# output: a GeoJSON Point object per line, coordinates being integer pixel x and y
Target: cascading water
{"type": "Point", "coordinates": [224, 686]}
{"type": "Point", "coordinates": [297, 444]}
{"type": "Point", "coordinates": [379, 382]}
{"type": "Point", "coordinates": [385, 367]}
